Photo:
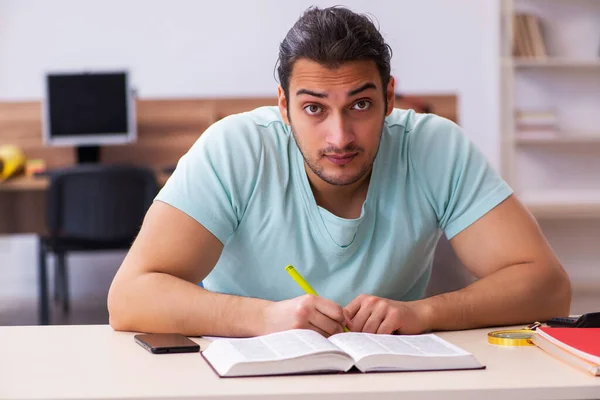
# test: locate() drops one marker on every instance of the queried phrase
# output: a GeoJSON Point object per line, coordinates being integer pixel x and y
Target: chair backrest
{"type": "Point", "coordinates": [99, 202]}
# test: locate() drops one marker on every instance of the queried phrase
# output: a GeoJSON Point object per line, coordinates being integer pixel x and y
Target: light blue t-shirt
{"type": "Point", "coordinates": [244, 180]}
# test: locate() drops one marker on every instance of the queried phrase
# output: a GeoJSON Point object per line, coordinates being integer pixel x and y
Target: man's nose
{"type": "Point", "coordinates": [339, 132]}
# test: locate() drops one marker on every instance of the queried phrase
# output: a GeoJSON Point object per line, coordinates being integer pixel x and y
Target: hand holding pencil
{"type": "Point", "coordinates": [305, 312]}
{"type": "Point", "coordinates": [304, 284]}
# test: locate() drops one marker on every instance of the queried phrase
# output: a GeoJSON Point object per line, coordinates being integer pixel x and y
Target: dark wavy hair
{"type": "Point", "coordinates": [332, 36]}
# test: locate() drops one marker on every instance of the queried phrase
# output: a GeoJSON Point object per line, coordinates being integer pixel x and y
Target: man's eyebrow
{"type": "Point", "coordinates": [311, 93]}
{"type": "Point", "coordinates": [354, 92]}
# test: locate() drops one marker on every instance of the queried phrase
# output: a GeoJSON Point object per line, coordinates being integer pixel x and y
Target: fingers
{"type": "Point", "coordinates": [374, 315]}
{"type": "Point", "coordinates": [353, 307]}
{"type": "Point", "coordinates": [330, 309]}
{"type": "Point", "coordinates": [319, 314]}
{"type": "Point", "coordinates": [374, 321]}
{"type": "Point", "coordinates": [366, 306]}
{"type": "Point", "coordinates": [358, 322]}
{"type": "Point", "coordinates": [387, 327]}
{"type": "Point", "coordinates": [347, 317]}
{"type": "Point", "coordinates": [326, 324]}
{"type": "Point", "coordinates": [392, 321]}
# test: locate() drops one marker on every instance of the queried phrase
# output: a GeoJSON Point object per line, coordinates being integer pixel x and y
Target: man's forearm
{"type": "Point", "coordinates": [157, 302]}
{"type": "Point", "coordinates": [513, 295]}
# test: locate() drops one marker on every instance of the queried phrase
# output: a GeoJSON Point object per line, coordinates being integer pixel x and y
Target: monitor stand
{"type": "Point", "coordinates": [88, 154]}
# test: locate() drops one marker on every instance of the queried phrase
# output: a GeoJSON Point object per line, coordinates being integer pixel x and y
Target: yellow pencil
{"type": "Point", "coordinates": [303, 284]}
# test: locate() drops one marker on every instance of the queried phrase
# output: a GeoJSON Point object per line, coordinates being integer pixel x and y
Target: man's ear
{"type": "Point", "coordinates": [391, 95]}
{"type": "Point", "coordinates": [282, 103]}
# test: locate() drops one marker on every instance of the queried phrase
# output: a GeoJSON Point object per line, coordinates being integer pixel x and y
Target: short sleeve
{"type": "Point", "coordinates": [457, 179]}
{"type": "Point", "coordinates": [214, 180]}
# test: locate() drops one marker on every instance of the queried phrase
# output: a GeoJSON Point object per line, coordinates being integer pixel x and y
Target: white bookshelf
{"type": "Point", "coordinates": [566, 80]}
{"type": "Point", "coordinates": [556, 173]}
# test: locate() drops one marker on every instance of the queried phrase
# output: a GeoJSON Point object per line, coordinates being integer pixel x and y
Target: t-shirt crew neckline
{"type": "Point", "coordinates": [314, 210]}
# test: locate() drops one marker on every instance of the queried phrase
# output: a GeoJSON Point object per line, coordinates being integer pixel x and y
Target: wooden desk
{"type": "Point", "coordinates": [23, 203]}
{"type": "Point", "coordinates": [40, 183]}
{"type": "Point", "coordinates": [88, 362]}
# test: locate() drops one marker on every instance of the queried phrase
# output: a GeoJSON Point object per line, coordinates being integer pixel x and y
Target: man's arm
{"type": "Point", "coordinates": [156, 290]}
{"type": "Point", "coordinates": [521, 281]}
{"type": "Point", "coordinates": [521, 278]}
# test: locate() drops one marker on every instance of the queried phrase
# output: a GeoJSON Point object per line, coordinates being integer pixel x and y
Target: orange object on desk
{"type": "Point", "coordinates": [34, 166]}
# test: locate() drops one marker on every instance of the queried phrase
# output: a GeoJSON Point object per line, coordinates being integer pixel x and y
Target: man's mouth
{"type": "Point", "coordinates": [341, 159]}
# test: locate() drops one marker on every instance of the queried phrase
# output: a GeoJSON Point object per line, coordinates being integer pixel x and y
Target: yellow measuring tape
{"type": "Point", "coordinates": [513, 337]}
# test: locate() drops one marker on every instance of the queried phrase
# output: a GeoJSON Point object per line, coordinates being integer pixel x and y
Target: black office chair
{"type": "Point", "coordinates": [90, 207]}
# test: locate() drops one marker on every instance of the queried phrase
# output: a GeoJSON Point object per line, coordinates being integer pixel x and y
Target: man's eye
{"type": "Point", "coordinates": [362, 105]}
{"type": "Point", "coordinates": [313, 109]}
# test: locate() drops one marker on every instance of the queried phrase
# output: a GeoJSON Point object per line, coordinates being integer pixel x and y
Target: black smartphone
{"type": "Point", "coordinates": [589, 320]}
{"type": "Point", "coordinates": [163, 343]}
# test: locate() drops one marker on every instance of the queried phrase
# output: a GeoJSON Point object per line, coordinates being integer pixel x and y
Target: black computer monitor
{"type": "Point", "coordinates": [87, 110]}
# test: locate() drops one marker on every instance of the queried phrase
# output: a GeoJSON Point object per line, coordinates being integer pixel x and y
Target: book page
{"type": "Point", "coordinates": [281, 345]}
{"type": "Point", "coordinates": [357, 345]}
{"type": "Point", "coordinates": [425, 345]}
{"type": "Point", "coordinates": [360, 345]}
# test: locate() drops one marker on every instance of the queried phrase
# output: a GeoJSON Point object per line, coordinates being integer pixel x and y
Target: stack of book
{"type": "Point", "coordinates": [538, 123]}
{"type": "Point", "coordinates": [579, 347]}
{"type": "Point", "coordinates": [528, 40]}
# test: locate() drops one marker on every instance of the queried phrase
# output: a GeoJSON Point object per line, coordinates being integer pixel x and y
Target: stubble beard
{"type": "Point", "coordinates": [338, 181]}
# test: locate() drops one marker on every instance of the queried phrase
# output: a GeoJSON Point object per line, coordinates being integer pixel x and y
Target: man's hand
{"type": "Point", "coordinates": [305, 312]}
{"type": "Point", "coordinates": [373, 314]}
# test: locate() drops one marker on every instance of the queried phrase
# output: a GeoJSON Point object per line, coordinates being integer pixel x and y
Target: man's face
{"type": "Point", "coordinates": [336, 116]}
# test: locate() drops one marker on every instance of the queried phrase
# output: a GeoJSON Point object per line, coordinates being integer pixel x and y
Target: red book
{"type": "Point", "coordinates": [579, 347]}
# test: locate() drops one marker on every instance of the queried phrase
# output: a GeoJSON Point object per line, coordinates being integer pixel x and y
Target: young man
{"type": "Point", "coordinates": [352, 192]}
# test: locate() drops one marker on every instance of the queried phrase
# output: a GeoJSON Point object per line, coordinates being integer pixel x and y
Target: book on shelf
{"type": "Point", "coordinates": [536, 123]}
{"type": "Point", "coordinates": [302, 351]}
{"type": "Point", "coordinates": [518, 42]}
{"type": "Point", "coordinates": [536, 117]}
{"type": "Point", "coordinates": [528, 40]}
{"type": "Point", "coordinates": [535, 33]}
{"type": "Point", "coordinates": [579, 347]}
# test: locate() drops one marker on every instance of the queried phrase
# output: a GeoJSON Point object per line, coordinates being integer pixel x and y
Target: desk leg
{"type": "Point", "coordinates": [44, 312]}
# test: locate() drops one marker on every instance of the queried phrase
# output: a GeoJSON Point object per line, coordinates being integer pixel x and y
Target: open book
{"type": "Point", "coordinates": [305, 351]}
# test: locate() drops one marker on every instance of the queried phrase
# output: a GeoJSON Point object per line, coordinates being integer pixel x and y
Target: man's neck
{"type": "Point", "coordinates": [344, 201]}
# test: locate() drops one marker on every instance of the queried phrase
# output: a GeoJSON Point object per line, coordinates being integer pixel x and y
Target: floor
{"type": "Point", "coordinates": [90, 276]}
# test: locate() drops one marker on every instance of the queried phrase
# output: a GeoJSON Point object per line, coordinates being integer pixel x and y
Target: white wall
{"type": "Point", "coordinates": [187, 48]}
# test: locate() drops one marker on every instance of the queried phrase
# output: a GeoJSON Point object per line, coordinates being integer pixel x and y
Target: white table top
{"type": "Point", "coordinates": [94, 362]}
